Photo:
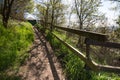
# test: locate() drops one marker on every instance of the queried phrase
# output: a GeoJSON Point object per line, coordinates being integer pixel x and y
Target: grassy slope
{"type": "Point", "coordinates": [73, 65]}
{"type": "Point", "coordinates": [14, 43]}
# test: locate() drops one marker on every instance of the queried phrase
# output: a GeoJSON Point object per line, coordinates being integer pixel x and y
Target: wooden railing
{"type": "Point", "coordinates": [92, 38]}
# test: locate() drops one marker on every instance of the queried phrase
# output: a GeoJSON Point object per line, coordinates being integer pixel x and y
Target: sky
{"type": "Point", "coordinates": [106, 8]}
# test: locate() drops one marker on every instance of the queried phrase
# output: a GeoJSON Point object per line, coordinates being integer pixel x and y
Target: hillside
{"type": "Point", "coordinates": [14, 43]}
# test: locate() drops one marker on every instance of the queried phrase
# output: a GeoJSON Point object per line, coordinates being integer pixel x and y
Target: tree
{"type": "Point", "coordinates": [118, 20]}
{"type": "Point", "coordinates": [6, 11]}
{"type": "Point", "coordinates": [117, 31]}
{"type": "Point", "coordinates": [1, 6]}
{"type": "Point", "coordinates": [57, 12]}
{"type": "Point", "coordinates": [115, 0]}
{"type": "Point", "coordinates": [20, 7]}
{"type": "Point", "coordinates": [70, 14]}
{"type": "Point", "coordinates": [52, 11]}
{"type": "Point", "coordinates": [86, 11]}
{"type": "Point", "coordinates": [43, 8]}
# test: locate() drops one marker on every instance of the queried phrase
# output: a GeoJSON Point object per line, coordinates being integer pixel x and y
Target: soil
{"type": "Point", "coordinates": [42, 64]}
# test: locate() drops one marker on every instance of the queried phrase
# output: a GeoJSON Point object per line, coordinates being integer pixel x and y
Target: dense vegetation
{"type": "Point", "coordinates": [16, 36]}
{"type": "Point", "coordinates": [72, 64]}
{"type": "Point", "coordinates": [74, 67]}
{"type": "Point", "coordinates": [14, 43]}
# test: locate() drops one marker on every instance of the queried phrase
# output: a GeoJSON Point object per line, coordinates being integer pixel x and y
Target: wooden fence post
{"type": "Point", "coordinates": [87, 68]}
{"type": "Point", "coordinates": [87, 53]}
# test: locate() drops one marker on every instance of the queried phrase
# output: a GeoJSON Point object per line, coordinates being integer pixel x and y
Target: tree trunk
{"type": "Point", "coordinates": [6, 11]}
{"type": "Point", "coordinates": [5, 22]}
{"type": "Point", "coordinates": [80, 40]}
{"type": "Point", "coordinates": [52, 17]}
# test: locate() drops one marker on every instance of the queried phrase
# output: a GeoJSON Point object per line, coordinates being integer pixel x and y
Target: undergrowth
{"type": "Point", "coordinates": [73, 66]}
{"type": "Point", "coordinates": [14, 43]}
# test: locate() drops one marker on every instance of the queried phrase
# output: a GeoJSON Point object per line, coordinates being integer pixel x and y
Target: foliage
{"type": "Point", "coordinates": [6, 11]}
{"type": "Point", "coordinates": [72, 64]}
{"type": "Point", "coordinates": [14, 42]}
{"type": "Point", "coordinates": [40, 27]}
{"type": "Point", "coordinates": [87, 12]}
{"type": "Point", "coordinates": [6, 77]}
{"type": "Point", "coordinates": [20, 7]}
{"type": "Point", "coordinates": [118, 20]}
{"type": "Point", "coordinates": [52, 11]}
{"type": "Point", "coordinates": [106, 55]}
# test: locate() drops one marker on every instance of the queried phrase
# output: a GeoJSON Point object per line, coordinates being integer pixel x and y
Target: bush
{"type": "Point", "coordinates": [73, 65]}
{"type": "Point", "coordinates": [40, 27]}
{"type": "Point", "coordinates": [14, 42]}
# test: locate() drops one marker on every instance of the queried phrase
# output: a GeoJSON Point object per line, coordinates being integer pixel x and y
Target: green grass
{"type": "Point", "coordinates": [73, 65]}
{"type": "Point", "coordinates": [14, 43]}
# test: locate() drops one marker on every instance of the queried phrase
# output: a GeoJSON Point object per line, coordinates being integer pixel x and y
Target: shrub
{"type": "Point", "coordinates": [14, 42]}
{"type": "Point", "coordinates": [73, 65]}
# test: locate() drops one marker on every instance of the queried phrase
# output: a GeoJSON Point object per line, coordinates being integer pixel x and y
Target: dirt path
{"type": "Point", "coordinates": [41, 64]}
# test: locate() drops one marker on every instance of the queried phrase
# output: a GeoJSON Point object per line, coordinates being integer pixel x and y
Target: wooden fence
{"type": "Point", "coordinates": [92, 38]}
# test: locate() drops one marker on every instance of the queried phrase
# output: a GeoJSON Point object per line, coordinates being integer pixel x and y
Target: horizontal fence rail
{"type": "Point", "coordinates": [94, 66]}
{"type": "Point", "coordinates": [105, 44]}
{"type": "Point", "coordinates": [92, 35]}
{"type": "Point", "coordinates": [92, 38]}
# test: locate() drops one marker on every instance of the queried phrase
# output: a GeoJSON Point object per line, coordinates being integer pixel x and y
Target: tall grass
{"type": "Point", "coordinates": [14, 43]}
{"type": "Point", "coordinates": [73, 66]}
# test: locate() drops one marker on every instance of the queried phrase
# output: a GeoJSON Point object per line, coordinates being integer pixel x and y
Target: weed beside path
{"type": "Point", "coordinates": [41, 64]}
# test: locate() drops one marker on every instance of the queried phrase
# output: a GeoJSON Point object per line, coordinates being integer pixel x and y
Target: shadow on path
{"type": "Point", "coordinates": [42, 63]}
{"type": "Point", "coordinates": [49, 56]}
